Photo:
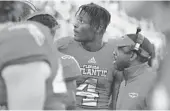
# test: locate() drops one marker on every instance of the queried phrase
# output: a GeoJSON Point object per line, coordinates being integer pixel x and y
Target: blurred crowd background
{"type": "Point", "coordinates": [64, 11]}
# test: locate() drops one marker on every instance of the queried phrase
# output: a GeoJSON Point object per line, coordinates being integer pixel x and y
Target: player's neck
{"type": "Point", "coordinates": [93, 46]}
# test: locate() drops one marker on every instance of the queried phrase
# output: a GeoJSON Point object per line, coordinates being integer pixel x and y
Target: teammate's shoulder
{"type": "Point", "coordinates": [30, 25]}
{"type": "Point", "coordinates": [26, 33]}
{"type": "Point", "coordinates": [39, 26]}
{"type": "Point", "coordinates": [64, 42]}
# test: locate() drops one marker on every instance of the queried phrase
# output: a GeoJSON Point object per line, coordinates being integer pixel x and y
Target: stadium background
{"type": "Point", "coordinates": [64, 11]}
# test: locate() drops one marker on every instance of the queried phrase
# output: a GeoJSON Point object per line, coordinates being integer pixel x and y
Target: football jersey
{"type": "Point", "coordinates": [94, 86]}
{"type": "Point", "coordinates": [22, 43]}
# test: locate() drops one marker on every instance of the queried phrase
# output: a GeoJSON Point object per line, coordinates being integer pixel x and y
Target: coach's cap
{"type": "Point", "coordinates": [139, 43]}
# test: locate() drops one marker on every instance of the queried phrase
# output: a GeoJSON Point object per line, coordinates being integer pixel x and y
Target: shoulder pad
{"type": "Point", "coordinates": [27, 24]}
{"type": "Point", "coordinates": [35, 30]}
{"type": "Point", "coordinates": [63, 42]}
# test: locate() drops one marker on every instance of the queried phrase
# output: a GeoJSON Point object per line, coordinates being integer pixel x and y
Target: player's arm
{"type": "Point", "coordinates": [115, 87]}
{"type": "Point", "coordinates": [71, 72]}
{"type": "Point", "coordinates": [71, 91]}
{"type": "Point", "coordinates": [25, 85]}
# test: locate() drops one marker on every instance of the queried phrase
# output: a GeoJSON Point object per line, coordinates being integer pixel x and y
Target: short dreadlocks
{"type": "Point", "coordinates": [99, 15]}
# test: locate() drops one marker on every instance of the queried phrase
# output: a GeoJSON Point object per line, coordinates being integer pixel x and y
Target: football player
{"type": "Point", "coordinates": [94, 56]}
{"type": "Point", "coordinates": [27, 60]}
{"type": "Point", "coordinates": [71, 69]}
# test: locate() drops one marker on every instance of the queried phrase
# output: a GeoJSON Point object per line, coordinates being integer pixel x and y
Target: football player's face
{"type": "Point", "coordinates": [83, 32]}
{"type": "Point", "coordinates": [123, 58]}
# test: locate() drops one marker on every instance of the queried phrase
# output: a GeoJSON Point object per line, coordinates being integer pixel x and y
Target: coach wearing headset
{"type": "Point", "coordinates": [134, 58]}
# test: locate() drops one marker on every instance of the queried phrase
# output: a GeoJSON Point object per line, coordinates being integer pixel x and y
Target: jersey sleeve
{"type": "Point", "coordinates": [24, 43]}
{"type": "Point", "coordinates": [71, 68]}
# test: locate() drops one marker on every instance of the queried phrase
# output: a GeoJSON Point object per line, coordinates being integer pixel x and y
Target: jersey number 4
{"type": "Point", "coordinates": [88, 92]}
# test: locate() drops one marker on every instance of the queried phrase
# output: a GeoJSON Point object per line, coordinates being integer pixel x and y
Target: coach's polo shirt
{"type": "Point", "coordinates": [133, 92]}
